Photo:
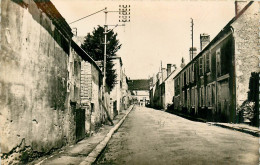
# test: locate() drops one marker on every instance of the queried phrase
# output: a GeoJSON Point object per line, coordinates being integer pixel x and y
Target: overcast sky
{"type": "Point", "coordinates": [158, 31]}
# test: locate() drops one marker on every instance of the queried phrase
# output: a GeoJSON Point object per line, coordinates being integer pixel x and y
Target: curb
{"type": "Point", "coordinates": [244, 130]}
{"type": "Point", "coordinates": [92, 156]}
{"type": "Point", "coordinates": [188, 117]}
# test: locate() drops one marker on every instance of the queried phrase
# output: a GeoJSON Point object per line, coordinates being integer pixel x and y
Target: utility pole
{"type": "Point", "coordinates": [105, 52]}
{"type": "Point", "coordinates": [191, 56]}
{"type": "Point", "coordinates": [105, 46]}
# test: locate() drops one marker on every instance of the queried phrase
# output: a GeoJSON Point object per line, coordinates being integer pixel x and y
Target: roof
{"type": "Point", "coordinates": [47, 7]}
{"type": "Point", "coordinates": [117, 57]}
{"type": "Point", "coordinates": [174, 71]}
{"type": "Point", "coordinates": [84, 55]}
{"type": "Point", "coordinates": [226, 29]}
{"type": "Point", "coordinates": [139, 84]}
{"type": "Point", "coordinates": [50, 10]}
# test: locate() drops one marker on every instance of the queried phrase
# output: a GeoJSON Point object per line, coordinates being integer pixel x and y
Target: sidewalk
{"type": "Point", "coordinates": [238, 127]}
{"type": "Point", "coordinates": [78, 153]}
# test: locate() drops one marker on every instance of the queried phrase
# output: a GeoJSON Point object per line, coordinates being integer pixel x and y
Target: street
{"type": "Point", "coordinates": [150, 136]}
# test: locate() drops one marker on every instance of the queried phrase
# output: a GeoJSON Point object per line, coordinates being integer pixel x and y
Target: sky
{"type": "Point", "coordinates": [159, 31]}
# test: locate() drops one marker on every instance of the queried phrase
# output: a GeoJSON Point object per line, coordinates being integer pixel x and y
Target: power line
{"type": "Point", "coordinates": [88, 16]}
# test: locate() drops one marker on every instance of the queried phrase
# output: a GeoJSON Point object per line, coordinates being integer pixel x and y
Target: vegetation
{"type": "Point", "coordinates": [94, 46]}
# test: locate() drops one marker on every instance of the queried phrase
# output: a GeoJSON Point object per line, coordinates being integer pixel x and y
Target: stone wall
{"type": "Point", "coordinates": [116, 91]}
{"type": "Point", "coordinates": [86, 92]}
{"type": "Point", "coordinates": [246, 37]}
{"type": "Point", "coordinates": [91, 97]}
{"type": "Point", "coordinates": [96, 98]}
{"type": "Point", "coordinates": [34, 99]}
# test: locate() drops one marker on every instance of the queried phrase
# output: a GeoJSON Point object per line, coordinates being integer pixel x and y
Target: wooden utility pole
{"type": "Point", "coordinates": [191, 56]}
{"type": "Point", "coordinates": [105, 52]}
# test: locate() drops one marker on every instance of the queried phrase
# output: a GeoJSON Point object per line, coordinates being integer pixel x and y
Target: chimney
{"type": "Point", "coordinates": [182, 63]}
{"type": "Point", "coordinates": [239, 5]}
{"type": "Point", "coordinates": [204, 40]}
{"type": "Point", "coordinates": [160, 77]}
{"type": "Point", "coordinates": [164, 74]}
{"type": "Point", "coordinates": [169, 67]}
{"type": "Point", "coordinates": [194, 52]}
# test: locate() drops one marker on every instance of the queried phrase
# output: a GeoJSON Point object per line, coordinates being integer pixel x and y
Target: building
{"type": "Point", "coordinates": [215, 83]}
{"type": "Point", "coordinates": [139, 89]}
{"type": "Point", "coordinates": [96, 106]}
{"type": "Point", "coordinates": [120, 98]}
{"type": "Point", "coordinates": [126, 95]}
{"type": "Point", "coordinates": [43, 98]}
{"type": "Point", "coordinates": [161, 87]}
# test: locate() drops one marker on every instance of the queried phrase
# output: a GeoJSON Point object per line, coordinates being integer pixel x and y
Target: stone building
{"type": "Point", "coordinates": [36, 111]}
{"type": "Point", "coordinates": [95, 105]}
{"type": "Point", "coordinates": [215, 84]}
{"type": "Point", "coordinates": [42, 107]}
{"type": "Point", "coordinates": [139, 89]}
{"type": "Point", "coordinates": [126, 95]}
{"type": "Point", "coordinates": [161, 87]}
{"type": "Point", "coordinates": [116, 93]}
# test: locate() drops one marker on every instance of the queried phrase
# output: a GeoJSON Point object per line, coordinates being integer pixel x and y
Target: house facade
{"type": "Point", "coordinates": [51, 90]}
{"type": "Point", "coordinates": [161, 87]}
{"type": "Point", "coordinates": [215, 83]}
{"type": "Point", "coordinates": [139, 89]}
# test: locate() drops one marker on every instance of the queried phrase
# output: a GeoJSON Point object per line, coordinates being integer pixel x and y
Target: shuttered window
{"type": "Point", "coordinates": [200, 66]}
{"type": "Point", "coordinates": [208, 64]}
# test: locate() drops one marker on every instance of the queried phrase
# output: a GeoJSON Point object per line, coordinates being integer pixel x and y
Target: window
{"type": "Point", "coordinates": [218, 54]}
{"type": "Point", "coordinates": [181, 80]}
{"type": "Point", "coordinates": [92, 105]}
{"type": "Point", "coordinates": [188, 98]}
{"type": "Point", "coordinates": [192, 97]}
{"type": "Point", "coordinates": [203, 64]}
{"type": "Point", "coordinates": [192, 72]}
{"type": "Point", "coordinates": [202, 96]}
{"type": "Point", "coordinates": [183, 98]}
{"type": "Point", "coordinates": [208, 96]}
{"type": "Point", "coordinates": [200, 66]}
{"type": "Point", "coordinates": [213, 93]}
{"type": "Point", "coordinates": [208, 63]}
{"type": "Point", "coordinates": [188, 75]}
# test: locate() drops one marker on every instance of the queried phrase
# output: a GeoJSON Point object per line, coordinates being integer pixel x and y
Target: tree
{"type": "Point", "coordinates": [250, 107]}
{"type": "Point", "coordinates": [94, 46]}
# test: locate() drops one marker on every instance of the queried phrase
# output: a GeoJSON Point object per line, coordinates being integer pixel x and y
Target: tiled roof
{"type": "Point", "coordinates": [141, 84]}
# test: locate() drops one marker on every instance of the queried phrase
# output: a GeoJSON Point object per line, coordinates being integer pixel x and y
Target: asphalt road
{"type": "Point", "coordinates": [152, 137]}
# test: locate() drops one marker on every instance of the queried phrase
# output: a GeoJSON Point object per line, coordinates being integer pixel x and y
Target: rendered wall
{"type": "Point", "coordinates": [34, 98]}
{"type": "Point", "coordinates": [246, 37]}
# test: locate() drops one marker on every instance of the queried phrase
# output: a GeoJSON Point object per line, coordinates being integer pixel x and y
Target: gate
{"type": "Point", "coordinates": [115, 108]}
{"type": "Point", "coordinates": [80, 124]}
